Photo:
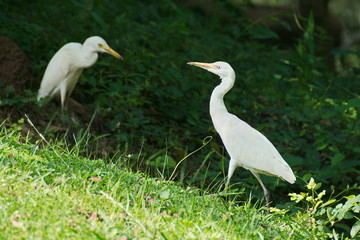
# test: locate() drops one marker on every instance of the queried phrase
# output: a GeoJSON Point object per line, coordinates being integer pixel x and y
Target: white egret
{"type": "Point", "coordinates": [66, 66]}
{"type": "Point", "coordinates": [247, 147]}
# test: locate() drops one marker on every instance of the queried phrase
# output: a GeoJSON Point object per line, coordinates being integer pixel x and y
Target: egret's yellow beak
{"type": "Point", "coordinates": [203, 65]}
{"type": "Point", "coordinates": [110, 51]}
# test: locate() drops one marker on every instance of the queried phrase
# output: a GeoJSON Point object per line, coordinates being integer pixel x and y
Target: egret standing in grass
{"type": "Point", "coordinates": [66, 66]}
{"type": "Point", "coordinates": [247, 147]}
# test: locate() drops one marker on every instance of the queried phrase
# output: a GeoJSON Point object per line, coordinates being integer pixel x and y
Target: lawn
{"type": "Point", "coordinates": [49, 192]}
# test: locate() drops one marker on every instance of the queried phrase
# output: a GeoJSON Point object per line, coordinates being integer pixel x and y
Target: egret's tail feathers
{"type": "Point", "coordinates": [41, 95]}
{"type": "Point", "coordinates": [289, 176]}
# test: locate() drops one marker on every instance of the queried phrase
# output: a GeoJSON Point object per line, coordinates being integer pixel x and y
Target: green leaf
{"type": "Point", "coordinates": [165, 194]}
{"type": "Point", "coordinates": [355, 229]}
{"type": "Point", "coordinates": [355, 102]}
{"type": "Point", "coordinates": [337, 158]}
{"type": "Point", "coordinates": [311, 184]}
{"type": "Point", "coordinates": [331, 201]}
{"type": "Point", "coordinates": [334, 149]}
{"type": "Point", "coordinates": [321, 147]}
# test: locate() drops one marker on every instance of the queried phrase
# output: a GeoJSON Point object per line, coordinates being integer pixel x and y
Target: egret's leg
{"type": "Point", "coordinates": [232, 167]}
{"type": "Point", "coordinates": [266, 192]}
{"type": "Point", "coordinates": [63, 97]}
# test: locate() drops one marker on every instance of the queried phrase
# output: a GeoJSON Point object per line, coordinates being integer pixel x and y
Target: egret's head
{"type": "Point", "coordinates": [222, 69]}
{"type": "Point", "coordinates": [100, 45]}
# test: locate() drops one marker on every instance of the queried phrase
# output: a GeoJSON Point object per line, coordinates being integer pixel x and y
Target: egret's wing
{"type": "Point", "coordinates": [59, 67]}
{"type": "Point", "coordinates": [252, 149]}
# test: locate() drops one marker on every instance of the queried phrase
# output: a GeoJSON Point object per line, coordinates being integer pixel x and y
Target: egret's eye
{"type": "Point", "coordinates": [218, 67]}
{"type": "Point", "coordinates": [100, 45]}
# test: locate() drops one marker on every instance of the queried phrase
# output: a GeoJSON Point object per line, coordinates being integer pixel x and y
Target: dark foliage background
{"type": "Point", "coordinates": [153, 101]}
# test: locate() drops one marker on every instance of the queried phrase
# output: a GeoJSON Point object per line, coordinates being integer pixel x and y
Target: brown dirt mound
{"type": "Point", "coordinates": [14, 66]}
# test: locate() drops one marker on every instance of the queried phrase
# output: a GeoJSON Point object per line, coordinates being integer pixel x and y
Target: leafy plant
{"type": "Point", "coordinates": [337, 212]}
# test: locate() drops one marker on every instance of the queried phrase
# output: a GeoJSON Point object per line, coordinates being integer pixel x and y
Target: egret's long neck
{"type": "Point", "coordinates": [217, 105]}
{"type": "Point", "coordinates": [89, 56]}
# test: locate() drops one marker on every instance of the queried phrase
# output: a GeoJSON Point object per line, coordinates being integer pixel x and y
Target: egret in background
{"type": "Point", "coordinates": [66, 66]}
{"type": "Point", "coordinates": [247, 147]}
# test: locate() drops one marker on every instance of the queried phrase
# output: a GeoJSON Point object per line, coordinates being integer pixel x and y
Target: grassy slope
{"type": "Point", "coordinates": [50, 193]}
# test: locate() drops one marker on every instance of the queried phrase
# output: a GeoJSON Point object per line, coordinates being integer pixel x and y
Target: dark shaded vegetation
{"type": "Point", "coordinates": [154, 102]}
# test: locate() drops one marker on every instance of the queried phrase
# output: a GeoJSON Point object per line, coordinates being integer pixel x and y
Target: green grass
{"type": "Point", "coordinates": [49, 193]}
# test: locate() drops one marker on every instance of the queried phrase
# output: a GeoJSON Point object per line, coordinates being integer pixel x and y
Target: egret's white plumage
{"type": "Point", "coordinates": [66, 66]}
{"type": "Point", "coordinates": [247, 147]}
